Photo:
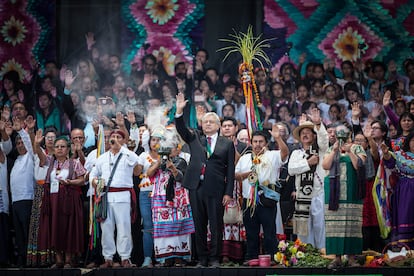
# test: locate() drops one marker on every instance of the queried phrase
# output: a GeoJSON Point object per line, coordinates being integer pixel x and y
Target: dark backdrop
{"type": "Point", "coordinates": [103, 17]}
{"type": "Point", "coordinates": [221, 18]}
{"type": "Point", "coordinates": [77, 17]}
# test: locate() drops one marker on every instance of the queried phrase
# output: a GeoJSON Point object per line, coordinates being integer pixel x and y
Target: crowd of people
{"type": "Point", "coordinates": [177, 156]}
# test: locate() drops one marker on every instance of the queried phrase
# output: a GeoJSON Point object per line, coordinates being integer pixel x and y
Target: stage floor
{"type": "Point", "coordinates": [244, 271]}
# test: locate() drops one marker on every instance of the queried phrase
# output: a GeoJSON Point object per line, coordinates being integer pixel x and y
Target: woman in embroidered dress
{"type": "Point", "coordinates": [405, 126]}
{"type": "Point", "coordinates": [403, 196]}
{"type": "Point", "coordinates": [343, 208]}
{"type": "Point", "coordinates": [61, 214]}
{"type": "Point", "coordinates": [148, 163]}
{"type": "Point", "coordinates": [172, 216]}
{"type": "Point", "coordinates": [37, 257]}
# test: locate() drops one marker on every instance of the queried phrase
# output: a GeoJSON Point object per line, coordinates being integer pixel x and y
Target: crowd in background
{"type": "Point", "coordinates": [49, 128]}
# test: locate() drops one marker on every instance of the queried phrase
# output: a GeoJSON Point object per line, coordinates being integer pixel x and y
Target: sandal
{"type": "Point", "coordinates": [127, 263]}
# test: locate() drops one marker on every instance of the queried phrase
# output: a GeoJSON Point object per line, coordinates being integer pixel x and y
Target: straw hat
{"type": "Point", "coordinates": [297, 130]}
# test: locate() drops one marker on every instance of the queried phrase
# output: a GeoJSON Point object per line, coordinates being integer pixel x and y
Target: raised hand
{"type": "Point", "coordinates": [367, 130]}
{"type": "Point", "coordinates": [275, 132]}
{"type": "Point", "coordinates": [90, 40]}
{"type": "Point", "coordinates": [107, 121]}
{"type": "Point", "coordinates": [30, 122]}
{"type": "Point", "coordinates": [131, 117]}
{"type": "Point", "coordinates": [356, 110]}
{"type": "Point", "coordinates": [376, 111]}
{"type": "Point", "coordinates": [315, 116]}
{"type": "Point", "coordinates": [200, 111]}
{"type": "Point", "coordinates": [39, 137]}
{"type": "Point", "coordinates": [181, 102]}
{"type": "Point", "coordinates": [69, 78]}
{"type": "Point", "coordinates": [17, 124]}
{"type": "Point", "coordinates": [119, 119]}
{"type": "Point", "coordinates": [386, 100]}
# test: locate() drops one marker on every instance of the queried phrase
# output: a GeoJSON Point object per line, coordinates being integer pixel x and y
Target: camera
{"type": "Point", "coordinates": [105, 101]}
{"type": "Point", "coordinates": [342, 136]}
{"type": "Point", "coordinates": [164, 153]}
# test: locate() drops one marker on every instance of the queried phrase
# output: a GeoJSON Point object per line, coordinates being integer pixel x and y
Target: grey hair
{"type": "Point", "coordinates": [213, 114]}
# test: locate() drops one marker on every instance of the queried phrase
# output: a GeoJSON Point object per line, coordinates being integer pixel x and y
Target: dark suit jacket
{"type": "Point", "coordinates": [219, 173]}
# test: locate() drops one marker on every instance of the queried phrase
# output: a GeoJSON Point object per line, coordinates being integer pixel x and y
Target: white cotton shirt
{"type": "Point", "coordinates": [122, 177]}
{"type": "Point", "coordinates": [267, 170]}
{"type": "Point", "coordinates": [298, 162]}
{"type": "Point", "coordinates": [22, 180]}
{"type": "Point", "coordinates": [6, 147]}
{"type": "Point", "coordinates": [89, 164]}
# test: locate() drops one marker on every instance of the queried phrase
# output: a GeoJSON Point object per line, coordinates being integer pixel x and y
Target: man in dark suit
{"type": "Point", "coordinates": [209, 178]}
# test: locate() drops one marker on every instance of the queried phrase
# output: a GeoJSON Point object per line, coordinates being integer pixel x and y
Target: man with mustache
{"type": "Point", "coordinates": [306, 165]}
{"type": "Point", "coordinates": [259, 170]}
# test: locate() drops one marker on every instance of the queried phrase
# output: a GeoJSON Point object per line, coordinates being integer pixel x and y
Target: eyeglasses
{"type": "Point", "coordinates": [78, 137]}
{"type": "Point", "coordinates": [50, 138]}
{"type": "Point", "coordinates": [60, 147]}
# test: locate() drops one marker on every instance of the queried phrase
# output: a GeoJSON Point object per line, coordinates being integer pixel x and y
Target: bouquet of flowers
{"type": "Point", "coordinates": [299, 254]}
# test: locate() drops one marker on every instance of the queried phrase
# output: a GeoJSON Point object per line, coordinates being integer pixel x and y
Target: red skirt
{"type": "Point", "coordinates": [61, 220]}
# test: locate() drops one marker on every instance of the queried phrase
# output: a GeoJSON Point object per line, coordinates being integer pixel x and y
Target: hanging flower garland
{"type": "Point", "coordinates": [251, 49]}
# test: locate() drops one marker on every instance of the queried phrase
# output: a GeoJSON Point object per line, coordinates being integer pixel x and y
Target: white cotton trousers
{"type": "Point", "coordinates": [119, 216]}
{"type": "Point", "coordinates": [316, 223]}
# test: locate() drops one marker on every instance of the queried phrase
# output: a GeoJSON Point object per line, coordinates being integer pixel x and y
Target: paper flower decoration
{"type": "Point", "coordinates": [161, 10]}
{"type": "Point", "coordinates": [13, 31]}
{"type": "Point", "coordinates": [12, 64]}
{"type": "Point", "coordinates": [343, 40]}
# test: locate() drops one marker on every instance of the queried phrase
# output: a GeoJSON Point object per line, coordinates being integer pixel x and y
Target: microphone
{"type": "Point", "coordinates": [112, 141]}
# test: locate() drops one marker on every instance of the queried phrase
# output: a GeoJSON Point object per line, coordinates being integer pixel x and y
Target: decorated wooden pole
{"type": "Point", "coordinates": [251, 49]}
